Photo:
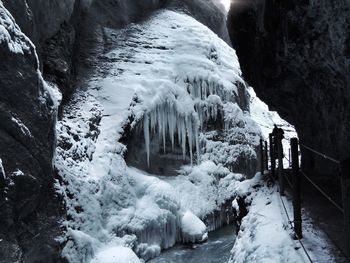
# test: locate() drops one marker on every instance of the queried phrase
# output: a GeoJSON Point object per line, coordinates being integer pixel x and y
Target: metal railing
{"type": "Point", "coordinates": [276, 152]}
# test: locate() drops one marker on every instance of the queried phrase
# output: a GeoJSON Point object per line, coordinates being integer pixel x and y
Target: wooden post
{"type": "Point", "coordinates": [345, 182]}
{"type": "Point", "coordinates": [261, 157]}
{"type": "Point", "coordinates": [297, 188]}
{"type": "Point", "coordinates": [272, 156]}
{"type": "Point", "coordinates": [280, 163]}
{"type": "Point", "coordinates": [266, 157]}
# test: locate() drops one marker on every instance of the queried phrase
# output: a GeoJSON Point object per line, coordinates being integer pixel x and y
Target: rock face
{"type": "Point", "coordinates": [296, 54]}
{"type": "Point", "coordinates": [27, 141]}
{"type": "Point", "coordinates": [51, 27]}
{"type": "Point", "coordinates": [209, 12]}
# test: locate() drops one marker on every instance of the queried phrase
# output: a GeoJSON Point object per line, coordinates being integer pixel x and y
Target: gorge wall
{"type": "Point", "coordinates": [296, 54]}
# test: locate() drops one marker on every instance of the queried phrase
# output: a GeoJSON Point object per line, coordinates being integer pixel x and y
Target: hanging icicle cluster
{"type": "Point", "coordinates": [166, 121]}
{"type": "Point", "coordinates": [208, 97]}
{"type": "Point", "coordinates": [209, 109]}
{"type": "Point", "coordinates": [202, 89]}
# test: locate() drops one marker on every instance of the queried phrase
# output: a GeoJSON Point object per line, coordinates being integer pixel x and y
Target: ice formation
{"type": "Point", "coordinates": [166, 120]}
{"type": "Point", "coordinates": [169, 75]}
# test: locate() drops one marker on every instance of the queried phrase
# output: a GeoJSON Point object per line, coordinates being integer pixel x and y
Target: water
{"type": "Point", "coordinates": [215, 250]}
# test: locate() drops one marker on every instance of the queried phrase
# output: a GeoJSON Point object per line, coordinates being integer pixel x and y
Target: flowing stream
{"type": "Point", "coordinates": [215, 250]}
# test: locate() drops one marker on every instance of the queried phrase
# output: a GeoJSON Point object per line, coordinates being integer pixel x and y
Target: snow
{"type": "Point", "coordinates": [168, 75]}
{"type": "Point", "coordinates": [226, 4]}
{"type": "Point", "coordinates": [266, 119]}
{"type": "Point", "coordinates": [2, 171]}
{"type": "Point", "coordinates": [116, 255]}
{"type": "Point", "coordinates": [203, 188]}
{"type": "Point", "coordinates": [192, 228]}
{"type": "Point", "coordinates": [18, 43]}
{"type": "Point", "coordinates": [11, 34]}
{"type": "Point", "coordinates": [265, 234]}
{"type": "Point", "coordinates": [18, 172]}
{"type": "Point", "coordinates": [162, 74]}
{"type": "Point", "coordinates": [21, 126]}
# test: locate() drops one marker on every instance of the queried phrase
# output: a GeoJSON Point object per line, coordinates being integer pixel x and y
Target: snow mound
{"type": "Point", "coordinates": [192, 228]}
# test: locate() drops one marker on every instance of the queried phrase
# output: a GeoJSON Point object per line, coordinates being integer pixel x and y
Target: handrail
{"type": "Point", "coordinates": [319, 153]}
{"type": "Point", "coordinates": [296, 235]}
{"type": "Point", "coordinates": [322, 192]}
{"type": "Point", "coordinates": [294, 159]}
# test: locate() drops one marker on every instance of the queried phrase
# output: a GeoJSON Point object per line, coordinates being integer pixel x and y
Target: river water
{"type": "Point", "coordinates": [215, 250]}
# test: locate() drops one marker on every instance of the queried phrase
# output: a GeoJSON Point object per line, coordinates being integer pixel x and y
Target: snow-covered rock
{"type": "Point", "coordinates": [165, 77]}
{"type": "Point", "coordinates": [192, 228]}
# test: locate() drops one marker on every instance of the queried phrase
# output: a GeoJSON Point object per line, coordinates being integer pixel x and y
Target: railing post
{"type": "Point", "coordinates": [272, 156]}
{"type": "Point", "coordinates": [261, 157]}
{"type": "Point", "coordinates": [297, 188]}
{"type": "Point", "coordinates": [280, 163]}
{"type": "Point", "coordinates": [345, 181]}
{"type": "Point", "coordinates": [266, 157]}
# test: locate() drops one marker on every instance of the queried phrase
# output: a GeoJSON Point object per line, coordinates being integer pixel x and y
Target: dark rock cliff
{"type": "Point", "coordinates": [28, 207]}
{"type": "Point", "coordinates": [296, 54]}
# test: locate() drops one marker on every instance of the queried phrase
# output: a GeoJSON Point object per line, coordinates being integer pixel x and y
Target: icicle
{"type": "Point", "coordinates": [146, 135]}
{"type": "Point", "coordinates": [183, 137]}
{"type": "Point", "coordinates": [159, 117]}
{"type": "Point", "coordinates": [190, 139]}
{"type": "Point", "coordinates": [163, 119]}
{"type": "Point", "coordinates": [203, 89]}
{"type": "Point", "coordinates": [179, 137]}
{"type": "Point", "coordinates": [197, 144]}
{"type": "Point", "coordinates": [171, 124]}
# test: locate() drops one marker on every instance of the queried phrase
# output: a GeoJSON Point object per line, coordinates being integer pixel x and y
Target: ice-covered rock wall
{"type": "Point", "coordinates": [155, 79]}
{"type": "Point", "coordinates": [183, 97]}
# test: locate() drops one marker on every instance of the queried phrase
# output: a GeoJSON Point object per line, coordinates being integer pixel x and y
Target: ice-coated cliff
{"type": "Point", "coordinates": [164, 83]}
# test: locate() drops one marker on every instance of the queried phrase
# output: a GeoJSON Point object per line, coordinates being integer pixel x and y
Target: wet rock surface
{"type": "Point", "coordinates": [296, 55]}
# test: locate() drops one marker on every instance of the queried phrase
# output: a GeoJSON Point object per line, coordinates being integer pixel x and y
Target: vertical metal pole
{"type": "Point", "coordinates": [266, 157]}
{"type": "Point", "coordinates": [345, 181]}
{"type": "Point", "coordinates": [280, 164]}
{"type": "Point", "coordinates": [272, 156]}
{"type": "Point", "coordinates": [297, 188]}
{"type": "Point", "coordinates": [261, 157]}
